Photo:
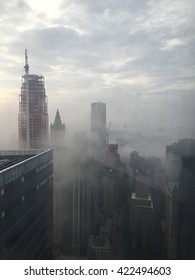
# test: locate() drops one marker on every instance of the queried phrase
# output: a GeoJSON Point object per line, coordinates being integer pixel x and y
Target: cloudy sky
{"type": "Point", "coordinates": [135, 55]}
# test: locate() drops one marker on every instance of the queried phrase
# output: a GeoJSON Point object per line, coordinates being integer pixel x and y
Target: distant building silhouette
{"type": "Point", "coordinates": [57, 132]}
{"type": "Point", "coordinates": [179, 214]}
{"type": "Point", "coordinates": [26, 183]}
{"type": "Point", "coordinates": [33, 115]}
{"type": "Point", "coordinates": [174, 153]}
{"type": "Point", "coordinates": [186, 214]}
{"type": "Point", "coordinates": [81, 194]}
{"type": "Point", "coordinates": [98, 129]}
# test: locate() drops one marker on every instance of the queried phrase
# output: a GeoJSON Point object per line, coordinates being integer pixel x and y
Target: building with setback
{"type": "Point", "coordinates": [33, 115]}
{"type": "Point", "coordinates": [26, 184]}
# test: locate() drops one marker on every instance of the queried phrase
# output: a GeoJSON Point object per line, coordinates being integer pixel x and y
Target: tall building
{"type": "Point", "coordinates": [33, 115]}
{"type": "Point", "coordinates": [62, 203]}
{"type": "Point", "coordinates": [98, 128]}
{"type": "Point", "coordinates": [81, 195]}
{"type": "Point", "coordinates": [174, 153]}
{"type": "Point", "coordinates": [26, 193]}
{"type": "Point", "coordinates": [113, 158]}
{"type": "Point", "coordinates": [179, 217]}
{"type": "Point", "coordinates": [62, 200]}
{"type": "Point", "coordinates": [180, 213]}
{"type": "Point", "coordinates": [57, 132]}
{"type": "Point", "coordinates": [186, 214]}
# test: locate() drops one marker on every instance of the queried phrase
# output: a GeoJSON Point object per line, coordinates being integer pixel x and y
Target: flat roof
{"type": "Point", "coordinates": [9, 160]}
{"type": "Point", "coordinates": [99, 242]}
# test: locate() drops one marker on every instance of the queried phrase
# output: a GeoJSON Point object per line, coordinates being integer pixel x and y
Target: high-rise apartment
{"type": "Point", "coordinates": [62, 166]}
{"type": "Point", "coordinates": [33, 115]}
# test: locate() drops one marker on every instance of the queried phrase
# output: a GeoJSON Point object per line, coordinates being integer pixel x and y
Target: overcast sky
{"type": "Point", "coordinates": [135, 55]}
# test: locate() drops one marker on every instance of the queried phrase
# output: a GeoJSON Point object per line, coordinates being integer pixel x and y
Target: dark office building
{"type": "Point", "coordinates": [180, 195]}
{"type": "Point", "coordinates": [26, 186]}
{"type": "Point", "coordinates": [186, 211]}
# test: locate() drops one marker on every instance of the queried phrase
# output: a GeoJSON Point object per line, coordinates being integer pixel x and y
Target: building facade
{"type": "Point", "coordinates": [57, 132]}
{"type": "Point", "coordinates": [179, 214]}
{"type": "Point", "coordinates": [98, 128]}
{"type": "Point", "coordinates": [81, 195]}
{"type": "Point", "coordinates": [33, 113]}
{"type": "Point", "coordinates": [26, 193]}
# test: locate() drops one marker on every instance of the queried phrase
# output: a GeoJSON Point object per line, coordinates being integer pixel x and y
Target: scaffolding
{"type": "Point", "coordinates": [33, 112]}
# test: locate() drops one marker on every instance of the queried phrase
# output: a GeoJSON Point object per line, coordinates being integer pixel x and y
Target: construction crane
{"type": "Point", "coordinates": [107, 134]}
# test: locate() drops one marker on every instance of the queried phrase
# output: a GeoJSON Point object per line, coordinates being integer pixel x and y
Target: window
{"type": "Point", "coordinates": [2, 192]}
{"type": "Point", "coordinates": [2, 214]}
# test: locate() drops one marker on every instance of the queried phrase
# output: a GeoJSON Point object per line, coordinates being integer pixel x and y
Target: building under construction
{"type": "Point", "coordinates": [33, 115]}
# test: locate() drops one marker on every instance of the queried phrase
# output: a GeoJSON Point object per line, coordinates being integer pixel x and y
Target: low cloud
{"type": "Point", "coordinates": [137, 56]}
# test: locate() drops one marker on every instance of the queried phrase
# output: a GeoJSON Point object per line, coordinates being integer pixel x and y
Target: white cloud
{"type": "Point", "coordinates": [174, 43]}
{"type": "Point", "coordinates": [89, 50]}
{"type": "Point", "coordinates": [112, 80]}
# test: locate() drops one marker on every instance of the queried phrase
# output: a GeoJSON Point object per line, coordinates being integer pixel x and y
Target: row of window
{"type": "Point", "coordinates": [43, 182]}
{"type": "Point", "coordinates": [24, 167]}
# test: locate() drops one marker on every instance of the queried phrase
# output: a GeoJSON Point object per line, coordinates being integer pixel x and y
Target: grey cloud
{"type": "Point", "coordinates": [120, 39]}
{"type": "Point", "coordinates": [11, 9]}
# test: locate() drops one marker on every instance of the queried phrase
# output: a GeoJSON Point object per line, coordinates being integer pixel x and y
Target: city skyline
{"type": "Point", "coordinates": [135, 57]}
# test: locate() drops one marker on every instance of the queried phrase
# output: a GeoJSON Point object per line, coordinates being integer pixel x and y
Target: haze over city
{"type": "Point", "coordinates": [136, 56]}
{"type": "Point", "coordinates": [97, 143]}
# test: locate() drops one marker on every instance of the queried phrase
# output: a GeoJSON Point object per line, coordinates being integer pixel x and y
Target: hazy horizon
{"type": "Point", "coordinates": [136, 56]}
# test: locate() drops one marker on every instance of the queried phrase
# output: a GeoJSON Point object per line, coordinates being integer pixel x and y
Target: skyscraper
{"type": "Point", "coordinates": [26, 193]}
{"type": "Point", "coordinates": [174, 153]}
{"type": "Point", "coordinates": [179, 217]}
{"type": "Point", "coordinates": [98, 128]}
{"type": "Point", "coordinates": [33, 115]}
{"type": "Point", "coordinates": [61, 164]}
{"type": "Point", "coordinates": [81, 195]}
{"type": "Point", "coordinates": [57, 132]}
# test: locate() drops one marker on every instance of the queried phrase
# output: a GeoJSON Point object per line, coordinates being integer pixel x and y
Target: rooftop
{"type": "Point", "coordinates": [16, 163]}
{"type": "Point", "coordinates": [142, 202]}
{"type": "Point", "coordinates": [10, 160]}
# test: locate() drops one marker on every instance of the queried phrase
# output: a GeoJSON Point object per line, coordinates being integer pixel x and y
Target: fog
{"type": "Point", "coordinates": [144, 131]}
{"type": "Point", "coordinates": [135, 57]}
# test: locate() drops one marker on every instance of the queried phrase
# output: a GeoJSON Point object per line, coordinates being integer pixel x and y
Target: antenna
{"type": "Point", "coordinates": [107, 135]}
{"type": "Point", "coordinates": [26, 67]}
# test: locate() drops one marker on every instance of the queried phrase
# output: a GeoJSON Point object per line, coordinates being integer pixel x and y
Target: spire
{"type": "Point", "coordinates": [57, 123]}
{"type": "Point", "coordinates": [26, 67]}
